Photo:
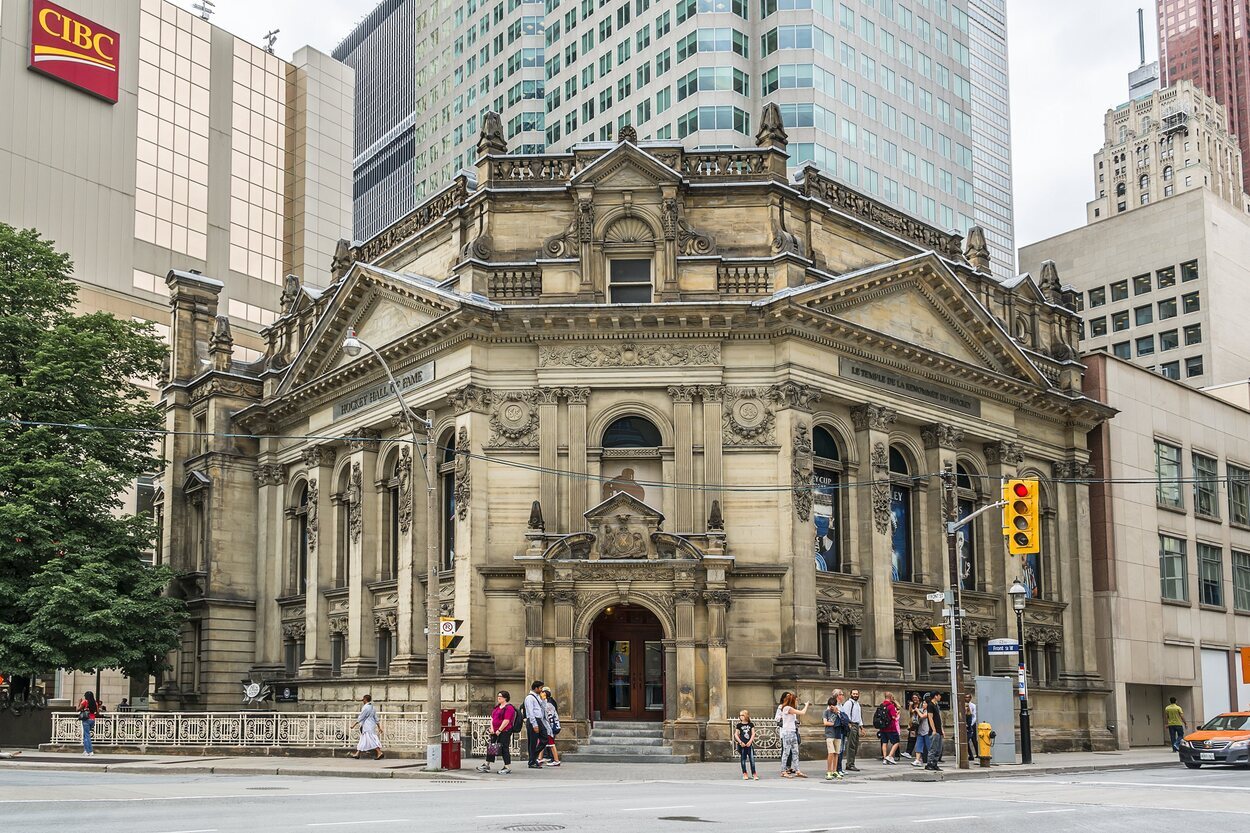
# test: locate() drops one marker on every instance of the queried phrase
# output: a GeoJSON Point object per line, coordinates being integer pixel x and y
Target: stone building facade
{"type": "Point", "coordinates": [690, 417]}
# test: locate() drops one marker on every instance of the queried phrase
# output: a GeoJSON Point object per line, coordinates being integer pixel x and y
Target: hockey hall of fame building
{"type": "Point", "coordinates": [690, 413]}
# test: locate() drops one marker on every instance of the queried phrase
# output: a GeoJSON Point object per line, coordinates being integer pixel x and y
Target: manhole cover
{"type": "Point", "coordinates": [534, 828]}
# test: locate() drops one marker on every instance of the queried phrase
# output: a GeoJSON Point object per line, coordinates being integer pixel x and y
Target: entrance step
{"type": "Point", "coordinates": [623, 742]}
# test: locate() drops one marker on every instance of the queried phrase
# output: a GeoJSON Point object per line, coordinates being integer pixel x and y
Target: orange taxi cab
{"type": "Point", "coordinates": [1221, 740]}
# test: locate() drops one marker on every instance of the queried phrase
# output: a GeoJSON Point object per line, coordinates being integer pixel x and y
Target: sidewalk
{"type": "Point", "coordinates": [341, 767]}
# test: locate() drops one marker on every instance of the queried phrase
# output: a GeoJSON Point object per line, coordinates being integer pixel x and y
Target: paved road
{"type": "Point", "coordinates": [1129, 800]}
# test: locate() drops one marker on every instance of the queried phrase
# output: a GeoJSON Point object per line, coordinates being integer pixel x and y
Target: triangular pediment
{"type": "Point", "coordinates": [622, 503]}
{"type": "Point", "coordinates": [625, 167]}
{"type": "Point", "coordinates": [919, 301]}
{"type": "Point", "coordinates": [381, 306]}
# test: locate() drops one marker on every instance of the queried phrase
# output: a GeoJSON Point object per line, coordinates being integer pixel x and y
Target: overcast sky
{"type": "Point", "coordinates": [1069, 64]}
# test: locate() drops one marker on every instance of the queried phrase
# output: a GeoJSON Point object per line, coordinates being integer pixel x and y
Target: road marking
{"type": "Point", "coordinates": [778, 801]}
{"type": "Point", "coordinates": [668, 807]}
{"type": "Point", "coordinates": [367, 821]}
{"type": "Point", "coordinates": [211, 797]}
{"type": "Point", "coordinates": [821, 829]}
{"type": "Point", "coordinates": [944, 818]}
{"type": "Point", "coordinates": [1143, 784]}
{"type": "Point", "coordinates": [204, 830]}
{"type": "Point", "coordinates": [518, 815]}
{"type": "Point", "coordinates": [1060, 810]}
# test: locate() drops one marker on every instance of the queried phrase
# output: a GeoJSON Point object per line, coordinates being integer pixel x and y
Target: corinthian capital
{"type": "Point", "coordinates": [939, 435]}
{"type": "Point", "coordinates": [870, 417]}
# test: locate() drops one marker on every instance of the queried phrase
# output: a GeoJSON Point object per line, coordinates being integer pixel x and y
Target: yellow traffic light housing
{"type": "Point", "coordinates": [1020, 517]}
{"type": "Point", "coordinates": [935, 641]}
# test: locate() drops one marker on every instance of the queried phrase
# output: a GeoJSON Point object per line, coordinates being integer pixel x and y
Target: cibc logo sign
{"type": "Point", "coordinates": [70, 48]}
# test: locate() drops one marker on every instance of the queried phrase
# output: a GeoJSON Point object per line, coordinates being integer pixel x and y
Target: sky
{"type": "Point", "coordinates": [1069, 64]}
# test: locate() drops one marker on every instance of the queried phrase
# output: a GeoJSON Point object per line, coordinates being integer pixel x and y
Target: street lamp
{"type": "Point", "coordinates": [1019, 595]}
{"type": "Point", "coordinates": [353, 346]}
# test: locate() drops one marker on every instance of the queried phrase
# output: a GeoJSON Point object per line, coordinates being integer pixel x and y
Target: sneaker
{"type": "Point", "coordinates": [553, 763]}
{"type": "Point", "coordinates": [484, 768]}
{"type": "Point", "coordinates": [828, 776]}
{"type": "Point", "coordinates": [505, 771]}
{"type": "Point", "coordinates": [838, 775]}
{"type": "Point", "coordinates": [535, 766]}
{"type": "Point", "coordinates": [755, 778]}
{"type": "Point", "coordinates": [916, 763]}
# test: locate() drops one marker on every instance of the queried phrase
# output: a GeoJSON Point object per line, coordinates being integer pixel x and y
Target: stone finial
{"type": "Point", "coordinates": [290, 294]}
{"type": "Point", "coordinates": [715, 520]}
{"type": "Point", "coordinates": [772, 132]}
{"type": "Point", "coordinates": [536, 517]}
{"type": "Point", "coordinates": [976, 250]}
{"type": "Point", "coordinates": [1049, 284]}
{"type": "Point", "coordinates": [491, 139]}
{"type": "Point", "coordinates": [221, 343]}
{"type": "Point", "coordinates": [342, 260]}
{"type": "Point", "coordinates": [627, 134]}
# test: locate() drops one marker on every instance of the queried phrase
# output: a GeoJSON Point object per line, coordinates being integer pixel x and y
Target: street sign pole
{"type": "Point", "coordinates": [955, 604]}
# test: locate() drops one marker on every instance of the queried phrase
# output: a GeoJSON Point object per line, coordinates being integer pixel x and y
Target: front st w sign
{"type": "Point", "coordinates": [74, 50]}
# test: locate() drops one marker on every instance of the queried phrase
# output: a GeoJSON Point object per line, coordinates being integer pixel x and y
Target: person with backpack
{"type": "Point", "coordinates": [536, 728]}
{"type": "Point", "coordinates": [885, 721]}
{"type": "Point", "coordinates": [503, 725]}
{"type": "Point", "coordinates": [553, 724]}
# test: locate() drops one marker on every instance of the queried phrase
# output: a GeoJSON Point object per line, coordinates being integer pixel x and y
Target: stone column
{"type": "Point", "coordinates": [271, 557]}
{"type": "Point", "coordinates": [683, 454]}
{"type": "Point", "coordinates": [717, 602]}
{"type": "Point", "coordinates": [410, 603]}
{"type": "Point", "coordinates": [472, 406]}
{"type": "Point", "coordinates": [686, 728]}
{"type": "Point", "coordinates": [549, 455]}
{"type": "Point", "coordinates": [562, 679]}
{"type": "Point", "coordinates": [320, 462]}
{"type": "Point", "coordinates": [713, 460]}
{"type": "Point", "coordinates": [532, 598]}
{"type": "Point", "coordinates": [361, 539]}
{"type": "Point", "coordinates": [1075, 571]}
{"type": "Point", "coordinates": [872, 519]}
{"type": "Point", "coordinates": [940, 443]}
{"type": "Point", "coordinates": [578, 485]}
{"type": "Point", "coordinates": [1001, 569]}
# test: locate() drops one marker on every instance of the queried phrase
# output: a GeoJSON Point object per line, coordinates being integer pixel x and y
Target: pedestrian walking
{"type": "Point", "coordinates": [370, 729]}
{"type": "Point", "coordinates": [912, 724]}
{"type": "Point", "coordinates": [744, 742]}
{"type": "Point", "coordinates": [1175, 717]}
{"type": "Point", "coordinates": [937, 737]}
{"type": "Point", "coordinates": [502, 728]}
{"type": "Point", "coordinates": [790, 735]}
{"type": "Point", "coordinates": [834, 731]}
{"type": "Point", "coordinates": [924, 728]}
{"type": "Point", "coordinates": [536, 729]}
{"type": "Point", "coordinates": [856, 717]}
{"type": "Point", "coordinates": [885, 719]}
{"type": "Point", "coordinates": [553, 725]}
{"type": "Point", "coordinates": [970, 726]}
{"type": "Point", "coordinates": [88, 708]}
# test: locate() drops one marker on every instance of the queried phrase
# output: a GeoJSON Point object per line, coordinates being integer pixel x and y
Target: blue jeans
{"type": "Point", "coordinates": [922, 746]}
{"type": "Point", "coordinates": [1176, 733]}
{"type": "Point", "coordinates": [746, 754]}
{"type": "Point", "coordinates": [87, 727]}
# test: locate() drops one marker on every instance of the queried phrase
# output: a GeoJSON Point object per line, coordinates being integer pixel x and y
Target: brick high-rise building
{"type": "Point", "coordinates": [1204, 41]}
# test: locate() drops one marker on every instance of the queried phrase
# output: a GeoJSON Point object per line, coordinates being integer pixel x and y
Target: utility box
{"type": "Point", "coordinates": [996, 705]}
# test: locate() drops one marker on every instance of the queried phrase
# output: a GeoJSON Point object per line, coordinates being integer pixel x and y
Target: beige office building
{"type": "Point", "coordinates": [217, 156]}
{"type": "Point", "coordinates": [1171, 547]}
{"type": "Point", "coordinates": [1166, 286]}
{"type": "Point", "coordinates": [1168, 142]}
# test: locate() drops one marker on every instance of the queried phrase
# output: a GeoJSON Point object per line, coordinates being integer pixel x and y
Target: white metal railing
{"type": "Point", "coordinates": [767, 740]}
{"type": "Point", "coordinates": [295, 730]}
{"type": "Point", "coordinates": [477, 734]}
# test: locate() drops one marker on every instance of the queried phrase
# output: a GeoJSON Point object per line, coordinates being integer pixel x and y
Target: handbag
{"type": "Point", "coordinates": [492, 748]}
{"type": "Point", "coordinates": [84, 714]}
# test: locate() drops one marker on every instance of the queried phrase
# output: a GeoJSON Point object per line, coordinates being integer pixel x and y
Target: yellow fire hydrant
{"type": "Point", "coordinates": [985, 743]}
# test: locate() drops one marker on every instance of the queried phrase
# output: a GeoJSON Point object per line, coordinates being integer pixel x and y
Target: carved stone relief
{"type": "Point", "coordinates": [939, 435]}
{"type": "Point", "coordinates": [469, 398]}
{"type": "Point", "coordinates": [385, 620]}
{"type": "Point", "coordinates": [630, 354]}
{"type": "Point", "coordinates": [355, 505]}
{"type": "Point", "coordinates": [403, 472]}
{"type": "Point", "coordinates": [463, 477]}
{"type": "Point", "coordinates": [319, 455]}
{"type": "Point", "coordinates": [514, 419]}
{"type": "Point", "coordinates": [869, 417]}
{"type": "Point", "coordinates": [801, 471]}
{"type": "Point", "coordinates": [269, 475]}
{"type": "Point", "coordinates": [1004, 453]}
{"type": "Point", "coordinates": [881, 488]}
{"type": "Point", "coordinates": [313, 523]}
{"type": "Point", "coordinates": [748, 417]}
{"type": "Point", "coordinates": [620, 541]}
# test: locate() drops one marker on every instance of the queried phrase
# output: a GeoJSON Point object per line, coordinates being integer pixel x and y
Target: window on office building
{"type": "Point", "coordinates": [1146, 346]}
{"type": "Point", "coordinates": [1206, 486]}
{"type": "Point", "coordinates": [1238, 495]}
{"type": "Point", "coordinates": [1193, 334]}
{"type": "Point", "coordinates": [1168, 340]}
{"type": "Point", "coordinates": [1119, 290]}
{"type": "Point", "coordinates": [1210, 575]}
{"type": "Point", "coordinates": [1173, 574]}
{"type": "Point", "coordinates": [1193, 367]}
{"type": "Point", "coordinates": [1190, 302]}
{"type": "Point", "coordinates": [1166, 277]}
{"type": "Point", "coordinates": [1143, 315]}
{"type": "Point", "coordinates": [1098, 296]}
{"type": "Point", "coordinates": [1189, 270]}
{"type": "Point", "coordinates": [1241, 581]}
{"type": "Point", "coordinates": [1168, 475]}
{"type": "Point", "coordinates": [1098, 326]}
{"type": "Point", "coordinates": [1167, 309]}
{"type": "Point", "coordinates": [1123, 350]}
{"type": "Point", "coordinates": [1170, 370]}
{"type": "Point", "coordinates": [1141, 284]}
{"type": "Point", "coordinates": [1119, 321]}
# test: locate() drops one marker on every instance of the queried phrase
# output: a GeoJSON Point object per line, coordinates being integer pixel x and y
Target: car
{"type": "Point", "coordinates": [1221, 740]}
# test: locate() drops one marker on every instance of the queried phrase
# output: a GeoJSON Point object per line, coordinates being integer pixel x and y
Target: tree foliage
{"type": "Point", "coordinates": [75, 433]}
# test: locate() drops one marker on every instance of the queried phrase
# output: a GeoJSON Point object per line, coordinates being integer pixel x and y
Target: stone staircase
{"type": "Point", "coordinates": [622, 742]}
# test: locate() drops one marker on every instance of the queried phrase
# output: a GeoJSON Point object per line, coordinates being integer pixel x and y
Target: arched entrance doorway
{"type": "Point", "coordinates": [627, 664]}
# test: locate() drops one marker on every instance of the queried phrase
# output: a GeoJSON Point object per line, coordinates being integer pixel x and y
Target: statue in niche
{"type": "Point", "coordinates": [624, 482]}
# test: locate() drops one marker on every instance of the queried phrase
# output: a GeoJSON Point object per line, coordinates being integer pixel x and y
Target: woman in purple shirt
{"type": "Point", "coordinates": [502, 727]}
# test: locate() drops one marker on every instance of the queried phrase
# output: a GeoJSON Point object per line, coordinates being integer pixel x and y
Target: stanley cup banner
{"type": "Point", "coordinates": [74, 50]}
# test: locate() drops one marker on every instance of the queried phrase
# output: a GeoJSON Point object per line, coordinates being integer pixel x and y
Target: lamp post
{"type": "Point", "coordinates": [353, 345]}
{"type": "Point", "coordinates": [1019, 595]}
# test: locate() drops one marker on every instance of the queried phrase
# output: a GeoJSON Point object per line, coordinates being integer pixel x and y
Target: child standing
{"type": "Point", "coordinates": [744, 742]}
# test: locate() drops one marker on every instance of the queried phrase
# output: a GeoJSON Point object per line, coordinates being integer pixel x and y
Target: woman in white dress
{"type": "Point", "coordinates": [367, 720]}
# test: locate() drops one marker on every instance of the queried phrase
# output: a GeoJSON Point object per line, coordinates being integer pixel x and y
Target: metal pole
{"type": "Point", "coordinates": [952, 559]}
{"type": "Point", "coordinates": [433, 649]}
{"type": "Point", "coordinates": [1026, 742]}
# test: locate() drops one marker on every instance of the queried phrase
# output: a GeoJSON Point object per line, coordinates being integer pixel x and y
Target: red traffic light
{"type": "Point", "coordinates": [1021, 490]}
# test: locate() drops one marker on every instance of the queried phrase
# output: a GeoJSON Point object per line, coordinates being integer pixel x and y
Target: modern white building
{"type": "Point", "coordinates": [906, 101]}
{"type": "Point", "coordinates": [1170, 513]}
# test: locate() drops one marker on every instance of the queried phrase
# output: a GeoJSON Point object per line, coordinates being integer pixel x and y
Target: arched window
{"type": "Point", "coordinates": [1120, 189]}
{"type": "Point", "coordinates": [390, 522]}
{"type": "Point", "coordinates": [342, 536]}
{"type": "Point", "coordinates": [1167, 173]}
{"type": "Point", "coordinates": [900, 516]}
{"type": "Point", "coordinates": [966, 503]}
{"type": "Point", "coordinates": [299, 569]}
{"type": "Point", "coordinates": [447, 477]}
{"type": "Point", "coordinates": [827, 500]}
{"type": "Point", "coordinates": [632, 432]}
{"type": "Point", "coordinates": [1143, 183]}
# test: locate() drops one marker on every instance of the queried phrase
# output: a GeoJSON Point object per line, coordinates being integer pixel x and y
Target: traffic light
{"type": "Point", "coordinates": [935, 641]}
{"type": "Point", "coordinates": [1020, 517]}
{"type": "Point", "coordinates": [448, 632]}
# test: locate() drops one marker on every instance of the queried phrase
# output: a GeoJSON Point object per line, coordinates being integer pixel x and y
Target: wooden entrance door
{"type": "Point", "coordinates": [627, 661]}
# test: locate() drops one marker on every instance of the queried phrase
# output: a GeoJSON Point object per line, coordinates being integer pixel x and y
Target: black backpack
{"type": "Point", "coordinates": [881, 718]}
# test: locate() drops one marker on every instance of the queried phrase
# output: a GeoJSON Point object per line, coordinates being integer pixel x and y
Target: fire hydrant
{"type": "Point", "coordinates": [985, 743]}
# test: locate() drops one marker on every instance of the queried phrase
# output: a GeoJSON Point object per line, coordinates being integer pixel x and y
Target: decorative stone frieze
{"type": "Point", "coordinates": [1004, 453]}
{"type": "Point", "coordinates": [870, 417]}
{"type": "Point", "coordinates": [939, 435]}
{"type": "Point", "coordinates": [319, 455]}
{"type": "Point", "coordinates": [682, 393]}
{"type": "Point", "coordinates": [269, 474]}
{"type": "Point", "coordinates": [403, 473]}
{"type": "Point", "coordinates": [470, 398]}
{"type": "Point", "coordinates": [313, 512]}
{"type": "Point", "coordinates": [794, 395]}
{"type": "Point", "coordinates": [514, 417]}
{"type": "Point", "coordinates": [463, 477]}
{"type": "Point", "coordinates": [362, 439]}
{"type": "Point", "coordinates": [355, 507]}
{"type": "Point", "coordinates": [630, 354]}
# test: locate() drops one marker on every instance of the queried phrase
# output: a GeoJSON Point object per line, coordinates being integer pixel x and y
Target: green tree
{"type": "Point", "coordinates": [75, 432]}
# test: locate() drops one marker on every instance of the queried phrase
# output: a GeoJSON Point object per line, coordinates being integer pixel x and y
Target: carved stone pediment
{"type": "Point", "coordinates": [623, 528]}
